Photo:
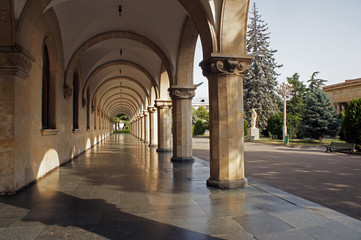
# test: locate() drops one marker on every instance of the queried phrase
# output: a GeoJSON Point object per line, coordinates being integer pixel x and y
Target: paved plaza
{"type": "Point", "coordinates": [122, 189]}
{"type": "Point", "coordinates": [332, 179]}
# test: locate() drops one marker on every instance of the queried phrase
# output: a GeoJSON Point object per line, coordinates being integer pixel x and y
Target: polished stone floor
{"type": "Point", "coordinates": [121, 189]}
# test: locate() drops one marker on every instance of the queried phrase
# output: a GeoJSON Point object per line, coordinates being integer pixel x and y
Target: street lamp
{"type": "Point", "coordinates": [284, 90]}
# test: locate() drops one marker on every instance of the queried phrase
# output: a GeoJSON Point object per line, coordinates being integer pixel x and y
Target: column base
{"type": "Point", "coordinates": [152, 145]}
{"type": "Point", "coordinates": [227, 184]}
{"type": "Point", "coordinates": [163, 150]}
{"type": "Point", "coordinates": [182, 159]}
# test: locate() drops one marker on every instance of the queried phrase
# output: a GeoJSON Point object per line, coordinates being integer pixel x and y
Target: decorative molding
{"type": "Point", "coordinates": [152, 109]}
{"type": "Point", "coordinates": [49, 132]}
{"type": "Point", "coordinates": [76, 130]}
{"type": "Point", "coordinates": [163, 104]}
{"type": "Point", "coordinates": [68, 92]}
{"type": "Point", "coordinates": [182, 93]}
{"type": "Point", "coordinates": [15, 61]}
{"type": "Point", "coordinates": [225, 65]}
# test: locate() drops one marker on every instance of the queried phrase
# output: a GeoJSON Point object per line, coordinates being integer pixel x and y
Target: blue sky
{"type": "Point", "coordinates": [310, 35]}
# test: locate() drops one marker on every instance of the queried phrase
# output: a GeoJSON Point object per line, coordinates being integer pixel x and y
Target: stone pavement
{"type": "Point", "coordinates": [332, 179]}
{"type": "Point", "coordinates": [121, 189]}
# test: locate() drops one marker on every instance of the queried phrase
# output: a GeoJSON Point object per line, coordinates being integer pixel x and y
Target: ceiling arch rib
{"type": "Point", "coordinates": [112, 35]}
{"type": "Point", "coordinates": [117, 79]}
{"type": "Point", "coordinates": [119, 63]}
{"type": "Point", "coordinates": [139, 100]}
{"type": "Point", "coordinates": [130, 101]}
{"type": "Point", "coordinates": [113, 106]}
{"type": "Point", "coordinates": [121, 109]}
{"type": "Point", "coordinates": [111, 101]}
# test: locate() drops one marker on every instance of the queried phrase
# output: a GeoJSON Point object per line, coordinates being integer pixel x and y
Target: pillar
{"type": "Point", "coordinates": [146, 126]}
{"type": "Point", "coordinates": [15, 65]}
{"type": "Point", "coordinates": [225, 77]}
{"type": "Point", "coordinates": [138, 127]}
{"type": "Point", "coordinates": [164, 125]}
{"type": "Point", "coordinates": [153, 126]}
{"type": "Point", "coordinates": [141, 120]}
{"type": "Point", "coordinates": [182, 123]}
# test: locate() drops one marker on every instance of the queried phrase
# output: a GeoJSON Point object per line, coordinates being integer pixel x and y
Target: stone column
{"type": "Point", "coordinates": [182, 123]}
{"type": "Point", "coordinates": [15, 66]}
{"type": "Point", "coordinates": [141, 120]}
{"type": "Point", "coordinates": [225, 77]}
{"type": "Point", "coordinates": [138, 127]}
{"type": "Point", "coordinates": [164, 125]}
{"type": "Point", "coordinates": [153, 127]}
{"type": "Point", "coordinates": [146, 126]}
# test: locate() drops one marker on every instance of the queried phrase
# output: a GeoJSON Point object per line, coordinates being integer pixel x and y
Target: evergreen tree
{"type": "Point", "coordinates": [315, 83]}
{"type": "Point", "coordinates": [352, 122]}
{"type": "Point", "coordinates": [320, 117]}
{"type": "Point", "coordinates": [295, 105]}
{"type": "Point", "coordinates": [260, 81]}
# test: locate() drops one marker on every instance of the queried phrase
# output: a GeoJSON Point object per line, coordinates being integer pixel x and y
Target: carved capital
{"type": "Point", "coordinates": [163, 104]}
{"type": "Point", "coordinates": [68, 92]}
{"type": "Point", "coordinates": [225, 65]}
{"type": "Point", "coordinates": [15, 61]}
{"type": "Point", "coordinates": [152, 109]}
{"type": "Point", "coordinates": [182, 93]}
{"type": "Point", "coordinates": [145, 113]}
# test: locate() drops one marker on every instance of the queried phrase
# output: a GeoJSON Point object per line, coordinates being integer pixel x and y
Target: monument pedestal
{"type": "Point", "coordinates": [254, 132]}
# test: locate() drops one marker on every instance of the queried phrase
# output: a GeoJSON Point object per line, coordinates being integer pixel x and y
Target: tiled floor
{"type": "Point", "coordinates": [121, 189]}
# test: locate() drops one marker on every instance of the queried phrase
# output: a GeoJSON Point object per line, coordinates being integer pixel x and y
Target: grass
{"type": "Point", "coordinates": [299, 142]}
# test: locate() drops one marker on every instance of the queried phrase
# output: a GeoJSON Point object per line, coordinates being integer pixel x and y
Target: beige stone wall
{"type": "Point", "coordinates": [27, 153]}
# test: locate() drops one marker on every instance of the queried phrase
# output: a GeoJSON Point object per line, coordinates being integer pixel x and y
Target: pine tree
{"type": "Point", "coordinates": [260, 81]}
{"type": "Point", "coordinates": [315, 83]}
{"type": "Point", "coordinates": [320, 117]}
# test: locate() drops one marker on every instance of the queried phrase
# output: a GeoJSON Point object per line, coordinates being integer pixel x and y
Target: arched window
{"type": "Point", "coordinates": [48, 94]}
{"type": "Point", "coordinates": [75, 101]}
{"type": "Point", "coordinates": [88, 109]}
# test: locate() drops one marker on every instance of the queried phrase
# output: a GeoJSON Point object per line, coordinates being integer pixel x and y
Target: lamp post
{"type": "Point", "coordinates": [284, 90]}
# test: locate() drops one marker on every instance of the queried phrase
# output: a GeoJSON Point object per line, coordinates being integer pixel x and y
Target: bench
{"type": "Point", "coordinates": [341, 146]}
{"type": "Point", "coordinates": [249, 138]}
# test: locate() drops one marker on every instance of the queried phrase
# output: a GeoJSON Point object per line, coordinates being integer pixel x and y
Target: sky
{"type": "Point", "coordinates": [310, 36]}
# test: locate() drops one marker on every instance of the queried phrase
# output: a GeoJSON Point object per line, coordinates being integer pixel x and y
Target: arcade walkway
{"type": "Point", "coordinates": [121, 189]}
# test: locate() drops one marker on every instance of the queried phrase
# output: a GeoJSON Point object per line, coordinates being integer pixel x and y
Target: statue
{"type": "Point", "coordinates": [253, 118]}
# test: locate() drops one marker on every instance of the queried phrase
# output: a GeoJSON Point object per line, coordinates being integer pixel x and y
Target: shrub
{"type": "Point", "coordinates": [122, 131]}
{"type": "Point", "coordinates": [352, 122]}
{"type": "Point", "coordinates": [199, 128]}
{"type": "Point", "coordinates": [245, 127]}
{"type": "Point", "coordinates": [275, 125]}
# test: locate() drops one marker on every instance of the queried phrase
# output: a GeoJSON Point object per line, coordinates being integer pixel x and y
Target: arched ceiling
{"type": "Point", "coordinates": [102, 43]}
{"type": "Point", "coordinates": [156, 26]}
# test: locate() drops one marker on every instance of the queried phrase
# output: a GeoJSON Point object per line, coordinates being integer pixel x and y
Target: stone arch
{"type": "Point", "coordinates": [184, 75]}
{"type": "Point", "coordinates": [119, 34]}
{"type": "Point", "coordinates": [122, 87]}
{"type": "Point", "coordinates": [117, 79]}
{"type": "Point", "coordinates": [111, 101]}
{"type": "Point", "coordinates": [118, 62]}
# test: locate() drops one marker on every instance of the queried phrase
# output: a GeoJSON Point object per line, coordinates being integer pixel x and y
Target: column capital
{"type": "Point", "coordinates": [141, 116]}
{"type": "Point", "coordinates": [145, 113]}
{"type": "Point", "coordinates": [182, 93]}
{"type": "Point", "coordinates": [151, 109]}
{"type": "Point", "coordinates": [162, 104]}
{"type": "Point", "coordinates": [222, 64]}
{"type": "Point", "coordinates": [15, 61]}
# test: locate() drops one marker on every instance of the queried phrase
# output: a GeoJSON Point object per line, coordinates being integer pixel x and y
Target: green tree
{"type": "Point", "coordinates": [260, 81]}
{"type": "Point", "coordinates": [275, 125]}
{"type": "Point", "coordinates": [295, 106]}
{"type": "Point", "coordinates": [352, 122]}
{"type": "Point", "coordinates": [199, 128]}
{"type": "Point", "coordinates": [315, 83]}
{"type": "Point", "coordinates": [203, 114]}
{"type": "Point", "coordinates": [320, 117]}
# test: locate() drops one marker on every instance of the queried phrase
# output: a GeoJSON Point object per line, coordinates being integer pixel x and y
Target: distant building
{"type": "Point", "coordinates": [342, 94]}
{"type": "Point", "coordinates": [200, 102]}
